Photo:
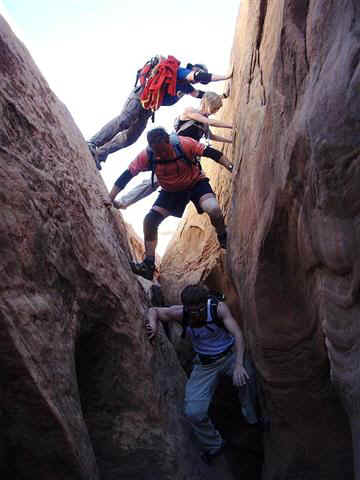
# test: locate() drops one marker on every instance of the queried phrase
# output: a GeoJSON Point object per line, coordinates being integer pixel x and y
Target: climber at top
{"type": "Point", "coordinates": [193, 123]}
{"type": "Point", "coordinates": [162, 83]}
{"type": "Point", "coordinates": [174, 161]}
{"type": "Point", "coordinates": [220, 350]}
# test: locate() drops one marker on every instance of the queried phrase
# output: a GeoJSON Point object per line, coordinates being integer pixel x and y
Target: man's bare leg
{"type": "Point", "coordinates": [151, 224]}
{"type": "Point", "coordinates": [210, 205]}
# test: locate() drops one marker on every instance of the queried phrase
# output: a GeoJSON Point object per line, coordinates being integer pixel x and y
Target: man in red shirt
{"type": "Point", "coordinates": [181, 179]}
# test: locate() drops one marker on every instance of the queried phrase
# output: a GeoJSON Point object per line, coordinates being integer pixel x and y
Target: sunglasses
{"type": "Point", "coordinates": [196, 309]}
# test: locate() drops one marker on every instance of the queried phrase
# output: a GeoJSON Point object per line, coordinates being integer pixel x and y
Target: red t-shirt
{"type": "Point", "coordinates": [173, 176]}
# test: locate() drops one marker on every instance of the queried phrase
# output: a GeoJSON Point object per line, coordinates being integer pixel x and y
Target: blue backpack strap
{"type": "Point", "coordinates": [214, 303]}
{"type": "Point", "coordinates": [150, 155]}
{"type": "Point", "coordinates": [184, 322]}
{"type": "Point", "coordinates": [175, 142]}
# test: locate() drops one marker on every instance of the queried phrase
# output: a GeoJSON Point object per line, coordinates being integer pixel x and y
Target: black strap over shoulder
{"type": "Point", "coordinates": [184, 322]}
{"type": "Point", "coordinates": [214, 303]}
{"type": "Point", "coordinates": [150, 155]}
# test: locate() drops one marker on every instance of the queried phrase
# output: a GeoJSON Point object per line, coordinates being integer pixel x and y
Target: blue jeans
{"type": "Point", "coordinates": [200, 389]}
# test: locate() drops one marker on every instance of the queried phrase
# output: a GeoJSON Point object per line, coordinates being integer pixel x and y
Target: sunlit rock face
{"type": "Point", "coordinates": [83, 394]}
{"type": "Point", "coordinates": [293, 218]}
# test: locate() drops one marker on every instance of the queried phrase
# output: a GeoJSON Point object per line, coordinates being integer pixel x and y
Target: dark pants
{"type": "Point", "coordinates": [124, 129]}
{"type": "Point", "coordinates": [175, 202]}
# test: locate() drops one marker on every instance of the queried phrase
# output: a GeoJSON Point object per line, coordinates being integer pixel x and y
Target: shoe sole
{"type": "Point", "coordinates": [140, 274]}
{"type": "Point", "coordinates": [95, 157]}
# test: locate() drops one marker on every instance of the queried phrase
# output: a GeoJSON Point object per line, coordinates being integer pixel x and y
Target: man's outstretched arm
{"type": "Point", "coordinates": [205, 77]}
{"type": "Point", "coordinates": [140, 164]}
{"type": "Point", "coordinates": [218, 157]}
{"type": "Point", "coordinates": [120, 184]}
{"type": "Point", "coordinates": [165, 314]}
{"type": "Point", "coordinates": [136, 194]}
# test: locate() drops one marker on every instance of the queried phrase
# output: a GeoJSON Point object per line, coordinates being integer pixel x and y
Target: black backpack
{"type": "Point", "coordinates": [214, 298]}
{"type": "Point", "coordinates": [145, 72]}
{"type": "Point", "coordinates": [180, 155]}
{"type": "Point", "coordinates": [178, 127]}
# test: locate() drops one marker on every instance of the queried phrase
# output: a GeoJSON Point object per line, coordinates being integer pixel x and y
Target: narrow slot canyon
{"type": "Point", "coordinates": [84, 394]}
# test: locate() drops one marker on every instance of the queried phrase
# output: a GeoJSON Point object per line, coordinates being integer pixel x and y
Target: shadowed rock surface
{"type": "Point", "coordinates": [293, 219]}
{"type": "Point", "coordinates": [83, 395]}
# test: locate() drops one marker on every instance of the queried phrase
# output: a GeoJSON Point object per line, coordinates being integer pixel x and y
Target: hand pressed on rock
{"type": "Point", "coordinates": [151, 329]}
{"type": "Point", "coordinates": [227, 91]}
{"type": "Point", "coordinates": [119, 205]}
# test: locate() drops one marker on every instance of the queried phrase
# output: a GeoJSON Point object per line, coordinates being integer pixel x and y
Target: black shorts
{"type": "Point", "coordinates": [175, 202]}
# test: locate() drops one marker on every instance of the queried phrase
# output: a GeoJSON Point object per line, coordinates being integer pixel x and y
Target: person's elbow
{"type": "Point", "coordinates": [190, 77]}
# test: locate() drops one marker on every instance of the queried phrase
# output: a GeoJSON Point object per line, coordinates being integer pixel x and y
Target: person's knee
{"type": "Point", "coordinates": [195, 412]}
{"type": "Point", "coordinates": [151, 224]}
{"type": "Point", "coordinates": [135, 131]}
{"type": "Point", "coordinates": [211, 207]}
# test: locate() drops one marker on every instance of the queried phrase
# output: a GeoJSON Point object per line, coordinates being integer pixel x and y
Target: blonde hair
{"type": "Point", "coordinates": [211, 101]}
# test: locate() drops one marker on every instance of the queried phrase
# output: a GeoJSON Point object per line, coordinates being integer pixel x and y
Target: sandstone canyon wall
{"type": "Point", "coordinates": [292, 209]}
{"type": "Point", "coordinates": [83, 394]}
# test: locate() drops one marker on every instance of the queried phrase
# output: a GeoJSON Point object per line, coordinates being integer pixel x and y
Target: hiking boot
{"type": "Point", "coordinates": [143, 269]}
{"type": "Point", "coordinates": [94, 153]}
{"type": "Point", "coordinates": [222, 238]}
{"type": "Point", "coordinates": [208, 456]}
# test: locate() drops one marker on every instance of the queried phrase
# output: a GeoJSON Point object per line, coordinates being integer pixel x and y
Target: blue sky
{"type": "Point", "coordinates": [89, 52]}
